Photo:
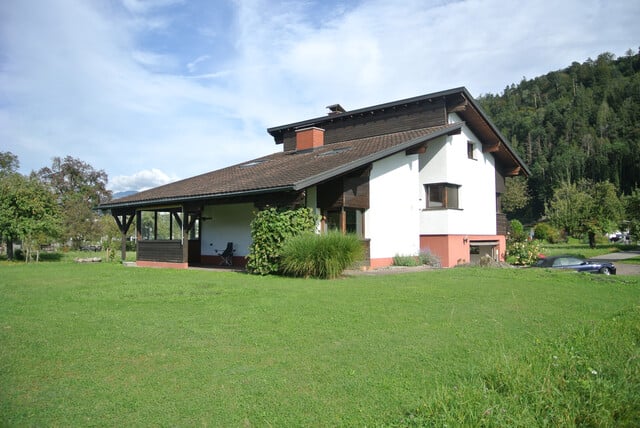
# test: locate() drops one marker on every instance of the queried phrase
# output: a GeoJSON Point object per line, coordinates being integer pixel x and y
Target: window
{"type": "Point", "coordinates": [160, 225]}
{"type": "Point", "coordinates": [470, 150]}
{"type": "Point", "coordinates": [345, 220]}
{"type": "Point", "coordinates": [442, 195]}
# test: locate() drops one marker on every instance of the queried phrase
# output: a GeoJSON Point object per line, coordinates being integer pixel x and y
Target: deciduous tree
{"type": "Point", "coordinates": [585, 207]}
{"type": "Point", "coordinates": [28, 211]}
{"type": "Point", "coordinates": [632, 213]}
{"type": "Point", "coordinates": [8, 163]}
{"type": "Point", "coordinates": [516, 195]}
{"type": "Point", "coordinates": [78, 188]}
{"type": "Point", "coordinates": [569, 209]}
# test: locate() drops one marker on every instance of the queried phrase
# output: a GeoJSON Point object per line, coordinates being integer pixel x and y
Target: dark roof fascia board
{"type": "Point", "coordinates": [330, 118]}
{"type": "Point", "coordinates": [194, 198]}
{"type": "Point", "coordinates": [343, 169]}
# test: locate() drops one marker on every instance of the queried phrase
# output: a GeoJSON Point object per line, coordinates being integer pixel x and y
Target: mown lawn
{"type": "Point", "coordinates": [102, 344]}
{"type": "Point", "coordinates": [582, 249]}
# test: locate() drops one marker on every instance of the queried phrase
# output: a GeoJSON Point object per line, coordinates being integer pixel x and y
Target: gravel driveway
{"type": "Point", "coordinates": [622, 268]}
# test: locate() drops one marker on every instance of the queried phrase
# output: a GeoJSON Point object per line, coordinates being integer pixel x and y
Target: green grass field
{"type": "Point", "coordinates": [103, 344]}
{"type": "Point", "coordinates": [582, 249]}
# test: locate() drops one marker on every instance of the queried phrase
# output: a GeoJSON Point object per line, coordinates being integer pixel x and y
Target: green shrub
{"type": "Point", "coordinates": [520, 250]}
{"type": "Point", "coordinates": [517, 232]}
{"type": "Point", "coordinates": [424, 258]}
{"type": "Point", "coordinates": [269, 230]}
{"type": "Point", "coordinates": [523, 253]}
{"type": "Point", "coordinates": [18, 255]}
{"type": "Point", "coordinates": [429, 259]}
{"type": "Point", "coordinates": [320, 256]}
{"type": "Point", "coordinates": [546, 232]}
{"type": "Point", "coordinates": [402, 260]}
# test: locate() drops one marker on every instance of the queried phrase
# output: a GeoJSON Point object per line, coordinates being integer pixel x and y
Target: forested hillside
{"type": "Point", "coordinates": [582, 122]}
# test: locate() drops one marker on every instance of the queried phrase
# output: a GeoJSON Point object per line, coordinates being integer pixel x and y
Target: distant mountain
{"type": "Point", "coordinates": [123, 194]}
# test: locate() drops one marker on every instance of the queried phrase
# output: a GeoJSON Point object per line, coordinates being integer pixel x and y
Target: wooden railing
{"type": "Point", "coordinates": [160, 251]}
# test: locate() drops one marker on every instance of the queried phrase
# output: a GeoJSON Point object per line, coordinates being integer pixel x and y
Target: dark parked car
{"type": "Point", "coordinates": [577, 264]}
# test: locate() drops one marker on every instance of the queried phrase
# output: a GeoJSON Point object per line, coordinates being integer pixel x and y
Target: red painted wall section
{"type": "Point", "coordinates": [380, 262]}
{"type": "Point", "coordinates": [454, 249]}
{"type": "Point", "coordinates": [145, 263]}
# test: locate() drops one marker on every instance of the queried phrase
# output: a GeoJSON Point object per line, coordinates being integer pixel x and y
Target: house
{"type": "Point", "coordinates": [419, 174]}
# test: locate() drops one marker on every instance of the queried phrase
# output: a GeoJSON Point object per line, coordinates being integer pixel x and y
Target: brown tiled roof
{"type": "Point", "coordinates": [292, 170]}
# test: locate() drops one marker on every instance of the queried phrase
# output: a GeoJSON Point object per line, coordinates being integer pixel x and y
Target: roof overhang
{"type": "Point", "coordinates": [185, 200]}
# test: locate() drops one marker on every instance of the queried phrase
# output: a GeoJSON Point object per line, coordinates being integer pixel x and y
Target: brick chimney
{"type": "Point", "coordinates": [309, 138]}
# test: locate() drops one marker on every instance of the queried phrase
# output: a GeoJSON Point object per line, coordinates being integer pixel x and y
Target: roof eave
{"type": "Point", "coordinates": [193, 198]}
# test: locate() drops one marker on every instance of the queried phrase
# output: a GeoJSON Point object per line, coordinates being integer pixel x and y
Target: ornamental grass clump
{"type": "Point", "coordinates": [323, 256]}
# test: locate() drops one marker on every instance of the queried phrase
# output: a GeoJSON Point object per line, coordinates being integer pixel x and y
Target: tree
{"type": "Point", "coordinates": [569, 209]}
{"type": "Point", "coordinates": [632, 212]}
{"type": "Point", "coordinates": [608, 209]}
{"type": "Point", "coordinates": [586, 207]}
{"type": "Point", "coordinates": [516, 195]}
{"type": "Point", "coordinates": [28, 211]}
{"type": "Point", "coordinates": [8, 163]}
{"type": "Point", "coordinates": [78, 188]}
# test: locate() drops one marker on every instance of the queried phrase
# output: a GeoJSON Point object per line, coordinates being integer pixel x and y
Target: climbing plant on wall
{"type": "Point", "coordinates": [269, 230]}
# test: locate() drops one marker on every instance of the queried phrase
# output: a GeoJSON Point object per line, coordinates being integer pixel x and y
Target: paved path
{"type": "Point", "coordinates": [622, 268]}
{"type": "Point", "coordinates": [620, 255]}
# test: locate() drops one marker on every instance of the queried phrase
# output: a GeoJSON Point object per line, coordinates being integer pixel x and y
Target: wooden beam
{"type": "Point", "coordinates": [513, 172]}
{"type": "Point", "coordinates": [124, 223]}
{"type": "Point", "coordinates": [192, 221]}
{"type": "Point", "coordinates": [417, 150]}
{"type": "Point", "coordinates": [123, 220]}
{"type": "Point", "coordinates": [175, 215]}
{"type": "Point", "coordinates": [491, 148]}
{"type": "Point", "coordinates": [460, 107]}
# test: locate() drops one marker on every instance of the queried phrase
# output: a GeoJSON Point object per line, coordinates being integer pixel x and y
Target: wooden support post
{"type": "Point", "coordinates": [123, 247]}
{"type": "Point", "coordinates": [185, 239]}
{"type": "Point", "coordinates": [123, 221]}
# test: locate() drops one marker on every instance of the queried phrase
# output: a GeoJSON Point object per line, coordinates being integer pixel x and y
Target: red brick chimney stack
{"type": "Point", "coordinates": [309, 138]}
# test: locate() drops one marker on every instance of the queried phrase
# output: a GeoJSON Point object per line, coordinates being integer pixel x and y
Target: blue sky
{"type": "Point", "coordinates": [155, 91]}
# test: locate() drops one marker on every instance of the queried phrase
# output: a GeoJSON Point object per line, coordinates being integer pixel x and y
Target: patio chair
{"type": "Point", "coordinates": [226, 255]}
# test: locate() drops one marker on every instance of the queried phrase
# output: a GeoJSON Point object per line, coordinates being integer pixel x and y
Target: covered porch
{"type": "Point", "coordinates": [182, 234]}
{"type": "Point", "coordinates": [166, 236]}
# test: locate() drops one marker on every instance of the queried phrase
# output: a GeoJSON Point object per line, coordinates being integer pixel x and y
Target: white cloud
{"type": "Point", "coordinates": [145, 6]}
{"type": "Point", "coordinates": [141, 180]}
{"type": "Point", "coordinates": [193, 65]}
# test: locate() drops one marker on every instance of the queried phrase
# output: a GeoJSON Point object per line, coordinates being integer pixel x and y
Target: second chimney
{"type": "Point", "coordinates": [309, 138]}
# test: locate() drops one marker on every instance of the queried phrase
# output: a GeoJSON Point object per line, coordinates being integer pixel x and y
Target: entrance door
{"type": "Point", "coordinates": [194, 244]}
